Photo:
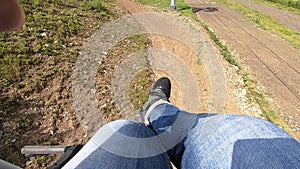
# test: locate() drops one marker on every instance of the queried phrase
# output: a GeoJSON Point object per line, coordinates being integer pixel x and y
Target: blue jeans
{"type": "Point", "coordinates": [189, 141]}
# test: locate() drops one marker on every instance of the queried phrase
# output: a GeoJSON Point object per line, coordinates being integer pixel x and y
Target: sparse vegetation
{"type": "Point", "coordinates": [48, 31]}
{"type": "Point", "coordinates": [106, 70]}
{"type": "Point", "coordinates": [199, 62]}
{"type": "Point", "coordinates": [265, 22]}
{"type": "Point", "coordinates": [35, 69]}
{"type": "Point", "coordinates": [287, 3]}
{"type": "Point", "coordinates": [223, 48]}
{"type": "Point", "coordinates": [140, 87]}
{"type": "Point", "coordinates": [267, 110]}
{"type": "Point", "coordinates": [280, 6]}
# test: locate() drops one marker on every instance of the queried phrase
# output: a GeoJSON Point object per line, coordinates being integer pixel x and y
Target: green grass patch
{"type": "Point", "coordinates": [286, 3]}
{"type": "Point", "coordinates": [45, 48]}
{"type": "Point", "coordinates": [280, 6]}
{"type": "Point", "coordinates": [140, 87]}
{"type": "Point", "coordinates": [135, 43]}
{"type": "Point", "coordinates": [265, 22]}
{"type": "Point", "coordinates": [49, 29]}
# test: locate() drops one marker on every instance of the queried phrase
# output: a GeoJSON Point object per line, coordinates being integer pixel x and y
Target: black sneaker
{"type": "Point", "coordinates": [161, 89]}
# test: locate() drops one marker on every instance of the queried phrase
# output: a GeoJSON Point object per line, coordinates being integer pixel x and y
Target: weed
{"type": "Point", "coordinates": [224, 49]}
{"type": "Point", "coordinates": [36, 3]}
{"type": "Point", "coordinates": [96, 5]}
{"type": "Point", "coordinates": [42, 159]}
{"type": "Point", "coordinates": [25, 125]}
{"type": "Point", "coordinates": [11, 69]}
{"type": "Point", "coordinates": [199, 61]}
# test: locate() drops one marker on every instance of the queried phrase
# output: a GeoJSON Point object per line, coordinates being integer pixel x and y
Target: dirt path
{"type": "Point", "coordinates": [206, 77]}
{"type": "Point", "coordinates": [286, 18]}
{"type": "Point", "coordinates": [271, 62]}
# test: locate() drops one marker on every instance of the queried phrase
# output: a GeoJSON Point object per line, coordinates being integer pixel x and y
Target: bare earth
{"type": "Point", "coordinates": [272, 62]}
{"type": "Point", "coordinates": [286, 18]}
{"type": "Point", "coordinates": [236, 100]}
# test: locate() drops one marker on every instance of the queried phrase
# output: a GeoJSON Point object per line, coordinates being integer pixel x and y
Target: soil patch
{"type": "Point", "coordinates": [286, 18]}
{"type": "Point", "coordinates": [271, 62]}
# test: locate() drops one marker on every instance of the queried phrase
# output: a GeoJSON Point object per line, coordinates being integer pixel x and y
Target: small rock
{"type": "Point", "coordinates": [28, 162]}
{"type": "Point", "coordinates": [13, 140]}
{"type": "Point", "coordinates": [43, 34]}
{"type": "Point", "coordinates": [236, 68]}
{"type": "Point", "coordinates": [51, 132]}
{"type": "Point", "coordinates": [244, 92]}
{"type": "Point", "coordinates": [31, 159]}
{"type": "Point", "coordinates": [104, 53]}
{"type": "Point", "coordinates": [103, 106]}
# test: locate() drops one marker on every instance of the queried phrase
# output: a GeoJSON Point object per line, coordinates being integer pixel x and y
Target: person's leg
{"type": "Point", "coordinates": [222, 141]}
{"type": "Point", "coordinates": [217, 141]}
{"type": "Point", "coordinates": [230, 141]}
{"type": "Point", "coordinates": [169, 123]}
{"type": "Point", "coordinates": [172, 126]}
{"type": "Point", "coordinates": [121, 144]}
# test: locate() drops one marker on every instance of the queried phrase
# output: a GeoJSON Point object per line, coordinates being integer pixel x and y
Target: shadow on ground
{"type": "Point", "coordinates": [208, 9]}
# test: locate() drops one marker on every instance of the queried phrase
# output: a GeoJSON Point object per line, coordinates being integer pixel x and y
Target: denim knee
{"type": "Point", "coordinates": [131, 128]}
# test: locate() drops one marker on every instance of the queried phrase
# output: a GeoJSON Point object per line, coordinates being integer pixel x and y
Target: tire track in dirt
{"type": "Point", "coordinates": [271, 61]}
{"type": "Point", "coordinates": [257, 55]}
{"type": "Point", "coordinates": [264, 61]}
{"type": "Point", "coordinates": [286, 18]}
